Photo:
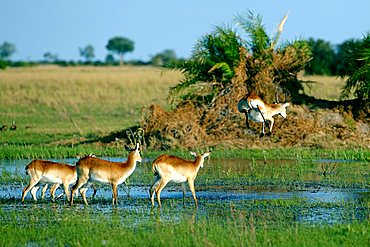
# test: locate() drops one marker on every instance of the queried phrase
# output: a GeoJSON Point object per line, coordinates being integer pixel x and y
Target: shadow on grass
{"type": "Point", "coordinates": [112, 137]}
{"type": "Point", "coordinates": [359, 108]}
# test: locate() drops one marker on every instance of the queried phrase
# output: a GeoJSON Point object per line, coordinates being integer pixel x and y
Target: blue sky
{"type": "Point", "coordinates": [61, 27]}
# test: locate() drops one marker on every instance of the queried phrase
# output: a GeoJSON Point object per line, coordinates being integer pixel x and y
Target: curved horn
{"type": "Point", "coordinates": [277, 97]}
{"type": "Point", "coordinates": [285, 92]}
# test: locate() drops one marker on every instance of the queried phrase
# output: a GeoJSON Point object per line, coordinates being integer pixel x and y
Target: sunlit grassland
{"type": "Point", "coordinates": [59, 105]}
{"type": "Point", "coordinates": [323, 87]}
{"type": "Point", "coordinates": [58, 108]}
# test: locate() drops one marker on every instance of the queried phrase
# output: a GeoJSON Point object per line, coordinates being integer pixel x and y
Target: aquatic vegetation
{"type": "Point", "coordinates": [221, 223]}
{"type": "Point", "coordinates": [248, 198]}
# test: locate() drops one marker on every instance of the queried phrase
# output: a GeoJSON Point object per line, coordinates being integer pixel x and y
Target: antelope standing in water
{"type": "Point", "coordinates": [48, 172]}
{"type": "Point", "coordinates": [260, 111]}
{"type": "Point", "coordinates": [171, 168]}
{"type": "Point", "coordinates": [90, 169]}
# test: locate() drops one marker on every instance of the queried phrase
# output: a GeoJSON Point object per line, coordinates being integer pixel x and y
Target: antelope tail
{"type": "Point", "coordinates": [28, 167]}
{"type": "Point", "coordinates": [154, 169]}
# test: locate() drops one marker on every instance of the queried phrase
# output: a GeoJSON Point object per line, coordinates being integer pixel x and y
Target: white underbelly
{"type": "Point", "coordinates": [255, 116]}
{"type": "Point", "coordinates": [94, 177]}
{"type": "Point", "coordinates": [178, 178]}
{"type": "Point", "coordinates": [106, 178]}
{"type": "Point", "coordinates": [123, 179]}
{"type": "Point", "coordinates": [51, 179]}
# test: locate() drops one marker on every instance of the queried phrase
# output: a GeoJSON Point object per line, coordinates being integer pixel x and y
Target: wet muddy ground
{"type": "Point", "coordinates": [313, 204]}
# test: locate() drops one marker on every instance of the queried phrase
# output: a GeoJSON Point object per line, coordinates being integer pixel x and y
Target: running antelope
{"type": "Point", "coordinates": [48, 172]}
{"type": "Point", "coordinates": [260, 111]}
{"type": "Point", "coordinates": [91, 169]}
{"type": "Point", "coordinates": [168, 168]}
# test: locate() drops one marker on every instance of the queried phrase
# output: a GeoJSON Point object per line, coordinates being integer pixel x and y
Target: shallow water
{"type": "Point", "coordinates": [315, 209]}
{"type": "Point", "coordinates": [322, 205]}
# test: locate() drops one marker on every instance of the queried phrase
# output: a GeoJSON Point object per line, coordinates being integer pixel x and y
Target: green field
{"type": "Point", "coordinates": [55, 106]}
{"type": "Point", "coordinates": [71, 227]}
{"type": "Point", "coordinates": [62, 111]}
{"type": "Point", "coordinates": [324, 87]}
{"type": "Point", "coordinates": [247, 197]}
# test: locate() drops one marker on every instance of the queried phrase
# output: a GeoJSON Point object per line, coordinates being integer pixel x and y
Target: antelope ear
{"type": "Point", "coordinates": [137, 146]}
{"type": "Point", "coordinates": [194, 154]}
{"type": "Point", "coordinates": [286, 104]}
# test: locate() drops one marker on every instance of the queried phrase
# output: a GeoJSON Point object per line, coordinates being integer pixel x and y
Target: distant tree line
{"type": "Point", "coordinates": [328, 59]}
{"type": "Point", "coordinates": [118, 46]}
{"type": "Point", "coordinates": [349, 60]}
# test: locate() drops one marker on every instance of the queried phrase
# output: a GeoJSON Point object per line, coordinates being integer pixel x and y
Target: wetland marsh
{"type": "Point", "coordinates": [241, 202]}
{"type": "Point", "coordinates": [247, 197]}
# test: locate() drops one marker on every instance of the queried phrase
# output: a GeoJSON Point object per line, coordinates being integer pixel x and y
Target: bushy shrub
{"type": "Point", "coordinates": [357, 69]}
{"type": "Point", "coordinates": [269, 65]}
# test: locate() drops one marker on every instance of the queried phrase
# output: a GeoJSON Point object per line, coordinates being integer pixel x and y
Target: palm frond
{"type": "Point", "coordinates": [252, 25]}
{"type": "Point", "coordinates": [227, 72]}
{"type": "Point", "coordinates": [357, 70]}
{"type": "Point", "coordinates": [279, 31]}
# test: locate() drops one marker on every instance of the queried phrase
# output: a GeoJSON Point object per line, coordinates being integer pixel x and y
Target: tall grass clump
{"type": "Point", "coordinates": [356, 72]}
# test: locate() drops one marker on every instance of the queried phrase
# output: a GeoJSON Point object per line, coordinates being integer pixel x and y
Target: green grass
{"type": "Point", "coordinates": [46, 152]}
{"type": "Point", "coordinates": [171, 227]}
{"type": "Point", "coordinates": [33, 151]}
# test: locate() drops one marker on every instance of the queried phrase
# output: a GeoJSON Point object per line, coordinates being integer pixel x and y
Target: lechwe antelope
{"type": "Point", "coordinates": [260, 111]}
{"type": "Point", "coordinates": [171, 168]}
{"type": "Point", "coordinates": [48, 172]}
{"type": "Point", "coordinates": [91, 169]}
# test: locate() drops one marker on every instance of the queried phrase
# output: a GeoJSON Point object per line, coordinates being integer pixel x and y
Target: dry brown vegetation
{"type": "Point", "coordinates": [225, 126]}
{"type": "Point", "coordinates": [220, 124]}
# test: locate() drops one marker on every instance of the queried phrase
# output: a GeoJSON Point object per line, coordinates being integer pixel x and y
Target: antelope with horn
{"type": "Point", "coordinates": [260, 111]}
{"type": "Point", "coordinates": [48, 172]}
{"type": "Point", "coordinates": [168, 168]}
{"type": "Point", "coordinates": [90, 169]}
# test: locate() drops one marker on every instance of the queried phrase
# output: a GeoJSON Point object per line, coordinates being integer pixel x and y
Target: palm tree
{"type": "Point", "coordinates": [211, 65]}
{"type": "Point", "coordinates": [216, 59]}
{"type": "Point", "coordinates": [357, 69]}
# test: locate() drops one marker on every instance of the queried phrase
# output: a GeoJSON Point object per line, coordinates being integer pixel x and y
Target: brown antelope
{"type": "Point", "coordinates": [43, 171]}
{"type": "Point", "coordinates": [171, 168]}
{"type": "Point", "coordinates": [260, 111]}
{"type": "Point", "coordinates": [91, 169]}
{"type": "Point", "coordinates": [54, 187]}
